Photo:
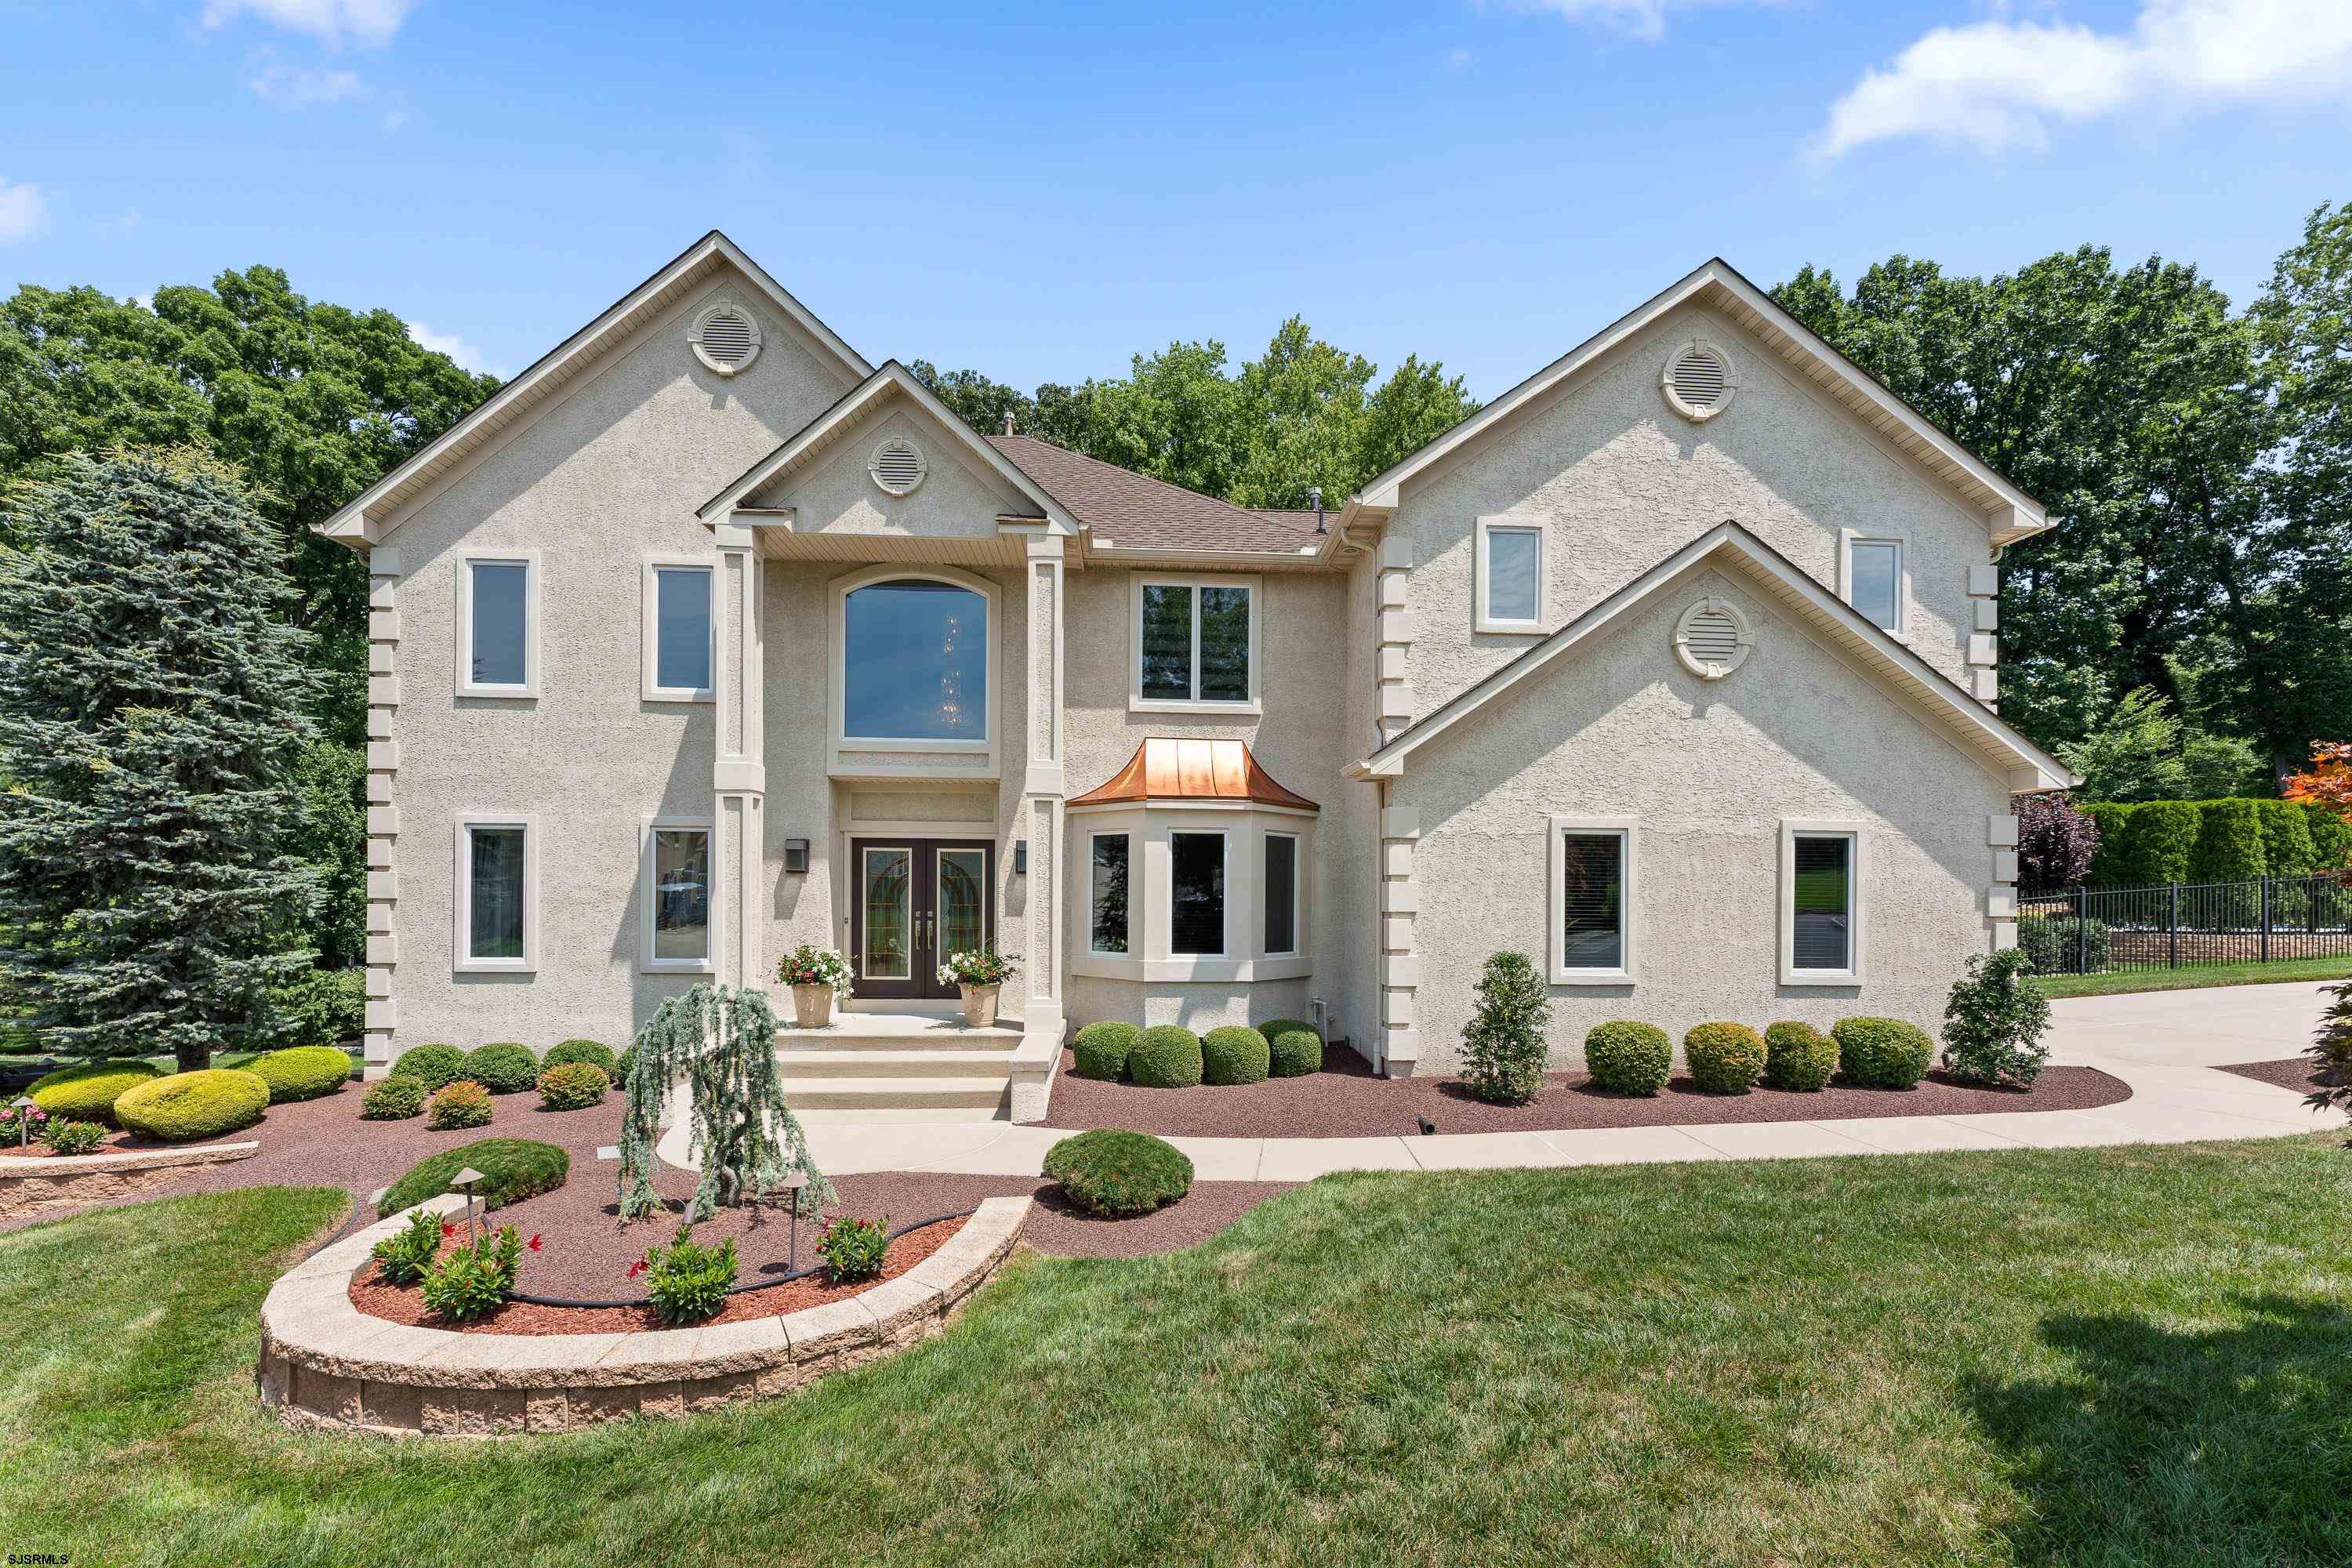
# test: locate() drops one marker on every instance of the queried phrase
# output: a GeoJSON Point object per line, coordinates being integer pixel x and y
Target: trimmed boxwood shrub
{"type": "Point", "coordinates": [594, 1053]}
{"type": "Point", "coordinates": [1115, 1173]}
{"type": "Point", "coordinates": [1725, 1058]}
{"type": "Point", "coordinates": [1102, 1048]}
{"type": "Point", "coordinates": [2064, 944]}
{"type": "Point", "coordinates": [188, 1105]}
{"type": "Point", "coordinates": [458, 1105]}
{"type": "Point", "coordinates": [502, 1067]}
{"type": "Point", "coordinates": [86, 1092]}
{"type": "Point", "coordinates": [1627, 1057]}
{"type": "Point", "coordinates": [573, 1086]}
{"type": "Point", "coordinates": [1167, 1057]}
{"type": "Point", "coordinates": [1799, 1056]}
{"type": "Point", "coordinates": [1235, 1054]}
{"type": "Point", "coordinates": [303, 1072]}
{"type": "Point", "coordinates": [394, 1098]}
{"type": "Point", "coordinates": [431, 1066]}
{"type": "Point", "coordinates": [1294, 1051]}
{"type": "Point", "coordinates": [1883, 1053]}
{"type": "Point", "coordinates": [517, 1169]}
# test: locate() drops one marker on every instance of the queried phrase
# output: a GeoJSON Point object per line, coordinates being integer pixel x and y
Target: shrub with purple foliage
{"type": "Point", "coordinates": [2055, 842]}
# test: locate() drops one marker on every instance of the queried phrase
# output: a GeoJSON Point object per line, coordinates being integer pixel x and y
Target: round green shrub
{"type": "Point", "coordinates": [1293, 1051]}
{"type": "Point", "coordinates": [303, 1072]}
{"type": "Point", "coordinates": [515, 1169]}
{"type": "Point", "coordinates": [1167, 1057]}
{"type": "Point", "coordinates": [589, 1052]}
{"type": "Point", "coordinates": [502, 1067]}
{"type": "Point", "coordinates": [1235, 1054]}
{"type": "Point", "coordinates": [620, 1073]}
{"type": "Point", "coordinates": [1116, 1174]}
{"type": "Point", "coordinates": [87, 1093]}
{"type": "Point", "coordinates": [394, 1098]}
{"type": "Point", "coordinates": [1627, 1057]}
{"type": "Point", "coordinates": [1102, 1048]}
{"type": "Point", "coordinates": [1883, 1053]}
{"type": "Point", "coordinates": [1797, 1055]}
{"type": "Point", "coordinates": [1274, 1026]}
{"type": "Point", "coordinates": [573, 1086]}
{"type": "Point", "coordinates": [187, 1105]}
{"type": "Point", "coordinates": [458, 1105]}
{"type": "Point", "coordinates": [431, 1066]}
{"type": "Point", "coordinates": [1725, 1058]}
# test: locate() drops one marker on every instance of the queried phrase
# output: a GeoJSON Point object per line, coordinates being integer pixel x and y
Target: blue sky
{"type": "Point", "coordinates": [1039, 191]}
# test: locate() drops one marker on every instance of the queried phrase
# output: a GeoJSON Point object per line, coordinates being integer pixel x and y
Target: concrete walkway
{"type": "Point", "coordinates": [2166, 1046]}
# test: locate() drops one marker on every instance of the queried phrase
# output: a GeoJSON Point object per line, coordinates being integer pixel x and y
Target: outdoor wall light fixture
{"type": "Point", "coordinates": [796, 856]}
{"type": "Point", "coordinates": [1021, 857]}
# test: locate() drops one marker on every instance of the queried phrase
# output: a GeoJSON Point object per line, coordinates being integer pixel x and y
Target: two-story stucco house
{"type": "Point", "coordinates": [705, 637]}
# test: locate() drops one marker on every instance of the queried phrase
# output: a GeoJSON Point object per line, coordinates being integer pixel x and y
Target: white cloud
{"type": "Point", "coordinates": [300, 86]}
{"type": "Point", "coordinates": [454, 346]}
{"type": "Point", "coordinates": [1643, 19]}
{"type": "Point", "coordinates": [23, 211]}
{"type": "Point", "coordinates": [1459, 58]}
{"type": "Point", "coordinates": [1998, 85]}
{"type": "Point", "coordinates": [371, 23]}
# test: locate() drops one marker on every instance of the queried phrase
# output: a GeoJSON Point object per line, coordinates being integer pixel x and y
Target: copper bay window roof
{"type": "Point", "coordinates": [1172, 769]}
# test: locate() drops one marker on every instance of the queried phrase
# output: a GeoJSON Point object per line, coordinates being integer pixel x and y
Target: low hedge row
{"type": "Point", "coordinates": [1168, 1056]}
{"type": "Point", "coordinates": [1628, 1057]}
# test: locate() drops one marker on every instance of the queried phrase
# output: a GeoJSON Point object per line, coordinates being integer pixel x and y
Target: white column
{"type": "Point", "coordinates": [740, 775]}
{"type": "Point", "coordinates": [382, 811]}
{"type": "Point", "coordinates": [1042, 795]}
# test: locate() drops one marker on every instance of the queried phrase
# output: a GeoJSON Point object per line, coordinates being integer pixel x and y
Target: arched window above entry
{"type": "Point", "coordinates": [915, 662]}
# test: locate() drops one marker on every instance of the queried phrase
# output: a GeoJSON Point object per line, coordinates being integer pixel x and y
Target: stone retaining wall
{"type": "Point", "coordinates": [31, 1186]}
{"type": "Point", "coordinates": [326, 1365]}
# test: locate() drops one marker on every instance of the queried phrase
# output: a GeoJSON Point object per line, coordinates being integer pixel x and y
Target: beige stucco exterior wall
{"type": "Point", "coordinates": [600, 479]}
{"type": "Point", "coordinates": [1621, 482]}
{"type": "Point", "coordinates": [1708, 769]}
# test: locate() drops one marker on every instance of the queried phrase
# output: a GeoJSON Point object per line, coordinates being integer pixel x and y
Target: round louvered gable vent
{"type": "Point", "coordinates": [896, 466]}
{"type": "Point", "coordinates": [1712, 640]}
{"type": "Point", "coordinates": [725, 337]}
{"type": "Point", "coordinates": [1698, 380]}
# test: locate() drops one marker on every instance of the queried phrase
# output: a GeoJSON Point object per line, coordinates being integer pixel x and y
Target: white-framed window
{"type": "Point", "coordinates": [1109, 864]}
{"type": "Point", "coordinates": [679, 646]}
{"type": "Point", "coordinates": [1874, 579]}
{"type": "Point", "coordinates": [1823, 904]}
{"type": "Point", "coordinates": [1590, 875]}
{"type": "Point", "coordinates": [914, 662]}
{"type": "Point", "coordinates": [498, 624]}
{"type": "Point", "coordinates": [496, 888]}
{"type": "Point", "coordinates": [680, 895]}
{"type": "Point", "coordinates": [1509, 591]}
{"type": "Point", "coordinates": [1278, 895]}
{"type": "Point", "coordinates": [1196, 894]}
{"type": "Point", "coordinates": [1198, 646]}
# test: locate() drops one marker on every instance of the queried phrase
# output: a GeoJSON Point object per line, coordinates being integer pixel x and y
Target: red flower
{"type": "Point", "coordinates": [534, 1241]}
{"type": "Point", "coordinates": [636, 1268]}
{"type": "Point", "coordinates": [447, 1230]}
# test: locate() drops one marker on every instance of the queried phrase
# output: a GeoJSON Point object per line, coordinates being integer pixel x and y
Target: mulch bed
{"type": "Point", "coordinates": [1346, 1100]}
{"type": "Point", "coordinates": [405, 1304]}
{"type": "Point", "coordinates": [112, 1144]}
{"type": "Point", "coordinates": [2290, 1072]}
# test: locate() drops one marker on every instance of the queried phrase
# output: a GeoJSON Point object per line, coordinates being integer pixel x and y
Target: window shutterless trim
{"type": "Point", "coordinates": [647, 871]}
{"type": "Point", "coordinates": [1857, 898]}
{"type": "Point", "coordinates": [466, 561]}
{"type": "Point", "coordinates": [1128, 839]}
{"type": "Point", "coordinates": [1225, 890]}
{"type": "Point", "coordinates": [1137, 702]}
{"type": "Point", "coordinates": [1297, 896]}
{"type": "Point", "coordinates": [1481, 621]}
{"type": "Point", "coordinates": [649, 657]}
{"type": "Point", "coordinates": [462, 883]}
{"type": "Point", "coordinates": [1847, 538]}
{"type": "Point", "coordinates": [1557, 972]}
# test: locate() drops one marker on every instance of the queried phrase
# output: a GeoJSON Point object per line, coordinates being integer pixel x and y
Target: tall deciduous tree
{"type": "Point", "coordinates": [153, 706]}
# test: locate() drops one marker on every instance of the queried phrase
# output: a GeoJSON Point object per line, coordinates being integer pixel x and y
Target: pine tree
{"type": "Point", "coordinates": [152, 705]}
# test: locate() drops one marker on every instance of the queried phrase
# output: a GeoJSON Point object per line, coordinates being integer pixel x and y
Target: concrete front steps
{"type": "Point", "coordinates": [897, 1062]}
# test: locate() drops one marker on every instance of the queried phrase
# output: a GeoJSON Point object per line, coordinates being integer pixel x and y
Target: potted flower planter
{"type": "Point", "coordinates": [812, 1007]}
{"type": "Point", "coordinates": [980, 1005]}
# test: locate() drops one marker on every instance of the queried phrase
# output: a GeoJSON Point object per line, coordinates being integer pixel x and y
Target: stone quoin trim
{"type": "Point", "coordinates": [1393, 701]}
{"type": "Point", "coordinates": [2000, 900]}
{"type": "Point", "coordinates": [327, 1366]}
{"type": "Point", "coordinates": [1984, 596]}
{"type": "Point", "coordinates": [1400, 1043]}
{"type": "Point", "coordinates": [383, 816]}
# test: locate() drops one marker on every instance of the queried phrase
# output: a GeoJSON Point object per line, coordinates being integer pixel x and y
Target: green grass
{"type": "Point", "coordinates": [2123, 981]}
{"type": "Point", "coordinates": [2115, 1357]}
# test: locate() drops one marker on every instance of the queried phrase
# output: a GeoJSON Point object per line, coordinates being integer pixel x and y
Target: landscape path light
{"type": "Point", "coordinates": [24, 1104]}
{"type": "Point", "coordinates": [465, 1181]}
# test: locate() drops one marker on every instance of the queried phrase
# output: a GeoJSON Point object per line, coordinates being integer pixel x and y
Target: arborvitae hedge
{"type": "Point", "coordinates": [2153, 842]}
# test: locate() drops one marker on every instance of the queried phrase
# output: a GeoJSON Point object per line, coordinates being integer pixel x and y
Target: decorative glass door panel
{"type": "Point", "coordinates": [887, 911]}
{"type": "Point", "coordinates": [963, 901]}
{"type": "Point", "coordinates": [914, 902]}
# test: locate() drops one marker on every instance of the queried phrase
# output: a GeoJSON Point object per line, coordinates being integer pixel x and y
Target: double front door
{"type": "Point", "coordinates": [913, 902]}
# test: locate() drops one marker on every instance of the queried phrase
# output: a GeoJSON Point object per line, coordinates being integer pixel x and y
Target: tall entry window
{"type": "Point", "coordinates": [915, 662]}
{"type": "Point", "coordinates": [1196, 894]}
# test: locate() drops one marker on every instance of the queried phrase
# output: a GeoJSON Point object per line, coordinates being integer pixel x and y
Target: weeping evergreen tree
{"type": "Point", "coordinates": [745, 1139]}
{"type": "Point", "coordinates": [152, 703]}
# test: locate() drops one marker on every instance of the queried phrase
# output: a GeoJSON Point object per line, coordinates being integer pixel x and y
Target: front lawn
{"type": "Point", "coordinates": [2118, 1356]}
{"type": "Point", "coordinates": [2120, 982]}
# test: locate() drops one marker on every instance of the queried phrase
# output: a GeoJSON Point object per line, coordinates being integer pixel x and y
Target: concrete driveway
{"type": "Point", "coordinates": [2211, 1027]}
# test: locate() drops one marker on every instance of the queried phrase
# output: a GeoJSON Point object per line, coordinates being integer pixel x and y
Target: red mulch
{"type": "Point", "coordinates": [112, 1144]}
{"type": "Point", "coordinates": [1346, 1100]}
{"type": "Point", "coordinates": [2290, 1072]}
{"type": "Point", "coordinates": [405, 1304]}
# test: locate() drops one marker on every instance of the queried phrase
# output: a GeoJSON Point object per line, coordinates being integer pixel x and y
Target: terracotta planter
{"type": "Point", "coordinates": [812, 1005]}
{"type": "Point", "coordinates": [980, 1005]}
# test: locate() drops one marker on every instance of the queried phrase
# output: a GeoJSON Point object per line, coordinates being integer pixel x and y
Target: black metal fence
{"type": "Point", "coordinates": [2185, 925]}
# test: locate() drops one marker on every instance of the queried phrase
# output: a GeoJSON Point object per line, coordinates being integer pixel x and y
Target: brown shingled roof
{"type": "Point", "coordinates": [1168, 769]}
{"type": "Point", "coordinates": [1133, 511]}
